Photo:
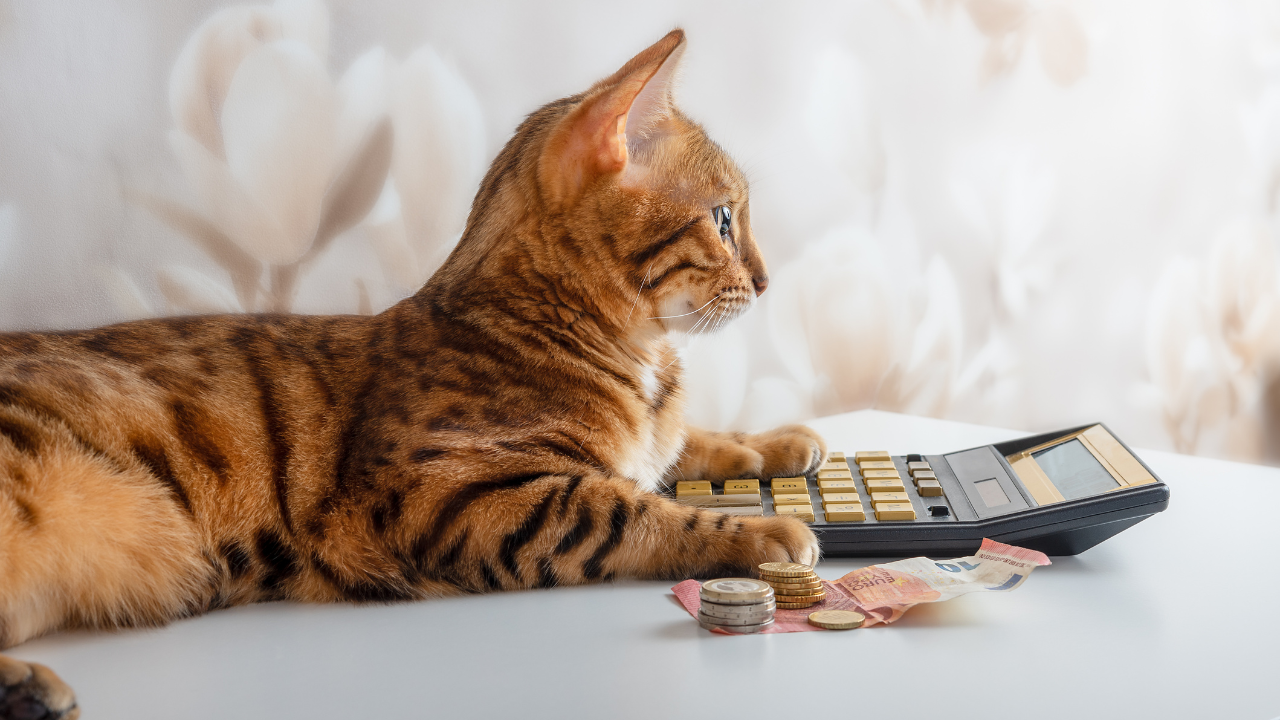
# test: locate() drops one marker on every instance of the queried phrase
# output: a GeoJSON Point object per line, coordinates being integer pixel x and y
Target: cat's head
{"type": "Point", "coordinates": [625, 204]}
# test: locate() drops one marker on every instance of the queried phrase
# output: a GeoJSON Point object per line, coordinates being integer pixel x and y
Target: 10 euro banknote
{"type": "Point", "coordinates": [884, 592]}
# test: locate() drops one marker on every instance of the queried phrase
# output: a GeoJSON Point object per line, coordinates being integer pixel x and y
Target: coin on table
{"type": "Point", "coordinates": [786, 595]}
{"type": "Point", "coordinates": [785, 569]}
{"type": "Point", "coordinates": [736, 591]}
{"type": "Point", "coordinates": [795, 585]}
{"type": "Point", "coordinates": [739, 629]}
{"type": "Point", "coordinates": [734, 622]}
{"type": "Point", "coordinates": [837, 619]}
{"type": "Point", "coordinates": [762, 611]}
{"type": "Point", "coordinates": [800, 602]}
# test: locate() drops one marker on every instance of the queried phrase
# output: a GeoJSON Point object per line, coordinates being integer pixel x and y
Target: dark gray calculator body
{"type": "Point", "coordinates": [1060, 493]}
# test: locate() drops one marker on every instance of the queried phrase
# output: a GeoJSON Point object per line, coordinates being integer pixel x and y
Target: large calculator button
{"type": "Point", "coordinates": [841, 466]}
{"type": "Point", "coordinates": [885, 485]}
{"type": "Point", "coordinates": [791, 499]}
{"type": "Point", "coordinates": [835, 455]}
{"type": "Point", "coordinates": [789, 485]}
{"type": "Point", "coordinates": [880, 474]}
{"type": "Point", "coordinates": [876, 465]}
{"type": "Point", "coordinates": [840, 498]}
{"type": "Point", "coordinates": [894, 511]}
{"type": "Point", "coordinates": [929, 488]}
{"type": "Point", "coordinates": [804, 512]}
{"type": "Point", "coordinates": [693, 487]}
{"type": "Point", "coordinates": [923, 475]}
{"type": "Point", "coordinates": [848, 512]}
{"type": "Point", "coordinates": [897, 497]}
{"type": "Point", "coordinates": [835, 475]}
{"type": "Point", "coordinates": [914, 467]}
{"type": "Point", "coordinates": [861, 455]}
{"type": "Point", "coordinates": [741, 487]}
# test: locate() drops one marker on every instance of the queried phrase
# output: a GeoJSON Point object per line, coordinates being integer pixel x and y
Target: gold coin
{"type": "Point", "coordinates": [799, 605]}
{"type": "Point", "coordinates": [736, 591]}
{"type": "Point", "coordinates": [772, 579]}
{"type": "Point", "coordinates": [794, 586]}
{"type": "Point", "coordinates": [787, 594]}
{"type": "Point", "coordinates": [785, 569]}
{"type": "Point", "coordinates": [836, 619]}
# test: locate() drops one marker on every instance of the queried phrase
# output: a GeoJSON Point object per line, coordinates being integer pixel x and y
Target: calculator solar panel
{"type": "Point", "coordinates": [1060, 493]}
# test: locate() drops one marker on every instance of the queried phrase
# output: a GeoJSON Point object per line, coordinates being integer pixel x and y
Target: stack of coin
{"type": "Point", "coordinates": [736, 605]}
{"type": "Point", "coordinates": [796, 585]}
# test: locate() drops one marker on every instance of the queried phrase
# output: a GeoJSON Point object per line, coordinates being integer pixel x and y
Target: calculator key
{"type": "Point", "coordinates": [885, 485]}
{"type": "Point", "coordinates": [740, 510]}
{"type": "Point", "coordinates": [939, 510]}
{"type": "Point", "coordinates": [848, 484]}
{"type": "Point", "coordinates": [880, 474]}
{"type": "Point", "coordinates": [804, 512]}
{"type": "Point", "coordinates": [792, 499]}
{"type": "Point", "coordinates": [848, 512]}
{"type": "Point", "coordinates": [929, 488]}
{"type": "Point", "coordinates": [841, 466]}
{"type": "Point", "coordinates": [912, 467]}
{"type": "Point", "coordinates": [841, 498]}
{"type": "Point", "coordinates": [923, 475]}
{"type": "Point", "coordinates": [789, 485]}
{"type": "Point", "coordinates": [861, 455]}
{"type": "Point", "coordinates": [741, 487]}
{"type": "Point", "coordinates": [693, 487]}
{"type": "Point", "coordinates": [877, 465]}
{"type": "Point", "coordinates": [713, 501]}
{"type": "Point", "coordinates": [835, 455]}
{"type": "Point", "coordinates": [899, 497]}
{"type": "Point", "coordinates": [894, 511]}
{"type": "Point", "coordinates": [834, 475]}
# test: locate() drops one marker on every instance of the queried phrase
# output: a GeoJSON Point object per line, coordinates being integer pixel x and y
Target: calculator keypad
{"type": "Point", "coordinates": [868, 488]}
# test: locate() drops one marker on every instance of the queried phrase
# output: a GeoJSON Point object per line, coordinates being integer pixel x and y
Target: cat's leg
{"type": "Point", "coordinates": [29, 691]}
{"type": "Point", "coordinates": [544, 530]}
{"type": "Point", "coordinates": [786, 451]}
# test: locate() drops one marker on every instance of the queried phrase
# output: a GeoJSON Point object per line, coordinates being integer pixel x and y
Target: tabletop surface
{"type": "Point", "coordinates": [1176, 617]}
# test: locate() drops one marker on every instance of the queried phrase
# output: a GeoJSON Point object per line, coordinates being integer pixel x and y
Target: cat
{"type": "Point", "coordinates": [505, 427]}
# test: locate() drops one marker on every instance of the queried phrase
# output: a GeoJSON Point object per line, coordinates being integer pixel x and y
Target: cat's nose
{"type": "Point", "coordinates": [761, 282]}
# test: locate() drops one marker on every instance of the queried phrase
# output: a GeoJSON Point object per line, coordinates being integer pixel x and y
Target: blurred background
{"type": "Point", "coordinates": [1023, 213]}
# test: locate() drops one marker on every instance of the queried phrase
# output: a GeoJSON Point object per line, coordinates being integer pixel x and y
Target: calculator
{"type": "Point", "coordinates": [1060, 493]}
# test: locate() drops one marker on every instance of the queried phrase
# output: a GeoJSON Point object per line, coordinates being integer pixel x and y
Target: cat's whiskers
{"type": "Point", "coordinates": [669, 317]}
{"type": "Point", "coordinates": [635, 302]}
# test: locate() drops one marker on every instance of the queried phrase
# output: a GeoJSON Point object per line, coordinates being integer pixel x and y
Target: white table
{"type": "Point", "coordinates": [1177, 617]}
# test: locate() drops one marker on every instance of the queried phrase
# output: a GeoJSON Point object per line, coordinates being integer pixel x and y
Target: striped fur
{"type": "Point", "coordinates": [502, 428]}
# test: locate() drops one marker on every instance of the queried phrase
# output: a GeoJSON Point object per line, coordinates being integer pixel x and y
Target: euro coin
{"type": "Point", "coordinates": [736, 591]}
{"type": "Point", "coordinates": [786, 594]}
{"type": "Point", "coordinates": [809, 602]}
{"type": "Point", "coordinates": [836, 619]}
{"type": "Point", "coordinates": [785, 569]}
{"type": "Point", "coordinates": [739, 629]}
{"type": "Point", "coordinates": [814, 583]}
{"type": "Point", "coordinates": [762, 611]}
{"type": "Point", "coordinates": [735, 622]}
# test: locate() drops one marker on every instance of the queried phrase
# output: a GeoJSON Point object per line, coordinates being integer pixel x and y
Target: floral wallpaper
{"type": "Point", "coordinates": [1026, 213]}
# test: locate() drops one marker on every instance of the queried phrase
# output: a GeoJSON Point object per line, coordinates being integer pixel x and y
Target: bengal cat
{"type": "Point", "coordinates": [505, 427]}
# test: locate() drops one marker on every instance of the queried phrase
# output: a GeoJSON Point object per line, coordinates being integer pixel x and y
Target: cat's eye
{"type": "Point", "coordinates": [723, 217]}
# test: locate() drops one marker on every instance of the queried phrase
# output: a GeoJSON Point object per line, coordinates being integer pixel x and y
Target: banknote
{"type": "Point", "coordinates": [884, 592]}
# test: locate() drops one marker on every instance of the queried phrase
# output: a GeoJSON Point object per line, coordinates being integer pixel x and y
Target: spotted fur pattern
{"type": "Point", "coordinates": [503, 428]}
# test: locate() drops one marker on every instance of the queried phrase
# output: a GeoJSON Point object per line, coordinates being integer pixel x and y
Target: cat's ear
{"type": "Point", "coordinates": [618, 115]}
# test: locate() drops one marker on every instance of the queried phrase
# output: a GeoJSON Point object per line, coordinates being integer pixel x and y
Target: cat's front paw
{"type": "Point", "coordinates": [29, 691]}
{"type": "Point", "coordinates": [788, 451]}
{"type": "Point", "coordinates": [784, 539]}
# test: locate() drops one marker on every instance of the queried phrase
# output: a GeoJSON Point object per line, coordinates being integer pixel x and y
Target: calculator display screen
{"type": "Point", "coordinates": [1074, 470]}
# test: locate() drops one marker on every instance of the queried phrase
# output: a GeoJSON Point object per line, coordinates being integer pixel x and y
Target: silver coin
{"type": "Point", "coordinates": [739, 629]}
{"type": "Point", "coordinates": [739, 621]}
{"type": "Point", "coordinates": [736, 591]}
{"type": "Point", "coordinates": [736, 611]}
